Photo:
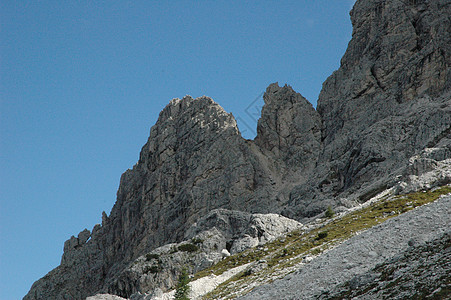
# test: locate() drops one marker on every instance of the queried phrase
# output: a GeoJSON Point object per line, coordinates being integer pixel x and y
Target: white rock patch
{"type": "Point", "coordinates": [204, 285]}
{"type": "Point", "coordinates": [105, 297]}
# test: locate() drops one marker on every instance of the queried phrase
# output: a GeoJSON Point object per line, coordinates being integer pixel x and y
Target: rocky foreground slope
{"type": "Point", "coordinates": [355, 254]}
{"type": "Point", "coordinates": [383, 117]}
{"type": "Point", "coordinates": [354, 265]}
{"type": "Point", "coordinates": [420, 272]}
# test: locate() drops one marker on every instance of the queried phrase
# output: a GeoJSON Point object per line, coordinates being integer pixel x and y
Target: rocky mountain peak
{"type": "Point", "coordinates": [289, 127]}
{"type": "Point", "coordinates": [399, 51]}
{"type": "Point", "coordinates": [202, 111]}
{"type": "Point", "coordinates": [398, 57]}
{"type": "Point", "coordinates": [185, 125]}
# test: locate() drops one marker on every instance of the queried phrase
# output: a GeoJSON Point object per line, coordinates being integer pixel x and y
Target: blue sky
{"type": "Point", "coordinates": [82, 82]}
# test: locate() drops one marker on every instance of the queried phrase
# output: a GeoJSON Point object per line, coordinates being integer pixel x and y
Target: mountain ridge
{"type": "Point", "coordinates": [374, 113]}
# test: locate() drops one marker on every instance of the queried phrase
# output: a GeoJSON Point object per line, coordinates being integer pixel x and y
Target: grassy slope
{"type": "Point", "coordinates": [281, 256]}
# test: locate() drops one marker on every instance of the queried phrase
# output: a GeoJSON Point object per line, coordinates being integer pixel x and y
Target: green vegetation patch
{"type": "Point", "coordinates": [182, 289]}
{"type": "Point", "coordinates": [329, 212]}
{"type": "Point", "coordinates": [188, 248]}
{"type": "Point", "coordinates": [150, 256]}
{"type": "Point", "coordinates": [233, 261]}
{"type": "Point", "coordinates": [321, 235]}
{"type": "Point", "coordinates": [294, 247]}
{"type": "Point", "coordinates": [152, 269]}
{"type": "Point", "coordinates": [197, 241]}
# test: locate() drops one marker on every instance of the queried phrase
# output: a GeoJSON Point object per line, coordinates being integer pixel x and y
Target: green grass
{"type": "Point", "coordinates": [290, 250]}
{"type": "Point", "coordinates": [150, 256]}
{"type": "Point", "coordinates": [188, 248]}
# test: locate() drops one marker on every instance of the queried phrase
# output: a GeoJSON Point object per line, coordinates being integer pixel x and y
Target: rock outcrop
{"type": "Point", "coordinates": [389, 101]}
{"type": "Point", "coordinates": [290, 129]}
{"type": "Point", "coordinates": [240, 230]}
{"type": "Point", "coordinates": [216, 235]}
{"type": "Point", "coordinates": [194, 161]}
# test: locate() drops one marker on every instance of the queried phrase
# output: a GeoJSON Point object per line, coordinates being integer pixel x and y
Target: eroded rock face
{"type": "Point", "coordinates": [389, 99]}
{"type": "Point", "coordinates": [289, 128]}
{"type": "Point", "coordinates": [105, 297]}
{"type": "Point", "coordinates": [399, 52]}
{"type": "Point", "coordinates": [243, 230]}
{"type": "Point", "coordinates": [205, 243]}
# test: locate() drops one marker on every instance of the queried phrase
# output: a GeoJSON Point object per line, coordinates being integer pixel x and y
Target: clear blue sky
{"type": "Point", "coordinates": [82, 82]}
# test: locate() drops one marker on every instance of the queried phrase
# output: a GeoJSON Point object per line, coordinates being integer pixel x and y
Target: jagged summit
{"type": "Point", "coordinates": [383, 117]}
{"type": "Point", "coordinates": [289, 127]}
{"type": "Point", "coordinates": [202, 110]}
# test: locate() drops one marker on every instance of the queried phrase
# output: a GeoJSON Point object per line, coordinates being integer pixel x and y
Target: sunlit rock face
{"type": "Point", "coordinates": [194, 161]}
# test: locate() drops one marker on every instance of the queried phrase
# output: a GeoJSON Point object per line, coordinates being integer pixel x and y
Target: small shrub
{"type": "Point", "coordinates": [316, 251]}
{"type": "Point", "coordinates": [150, 256]}
{"type": "Point", "coordinates": [197, 241]}
{"type": "Point", "coordinates": [329, 212]}
{"type": "Point", "coordinates": [182, 290]}
{"type": "Point", "coordinates": [321, 235]}
{"type": "Point", "coordinates": [151, 269]}
{"type": "Point", "coordinates": [246, 273]}
{"type": "Point", "coordinates": [188, 248]}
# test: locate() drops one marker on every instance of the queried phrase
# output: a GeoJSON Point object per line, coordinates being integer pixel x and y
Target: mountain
{"type": "Point", "coordinates": [383, 120]}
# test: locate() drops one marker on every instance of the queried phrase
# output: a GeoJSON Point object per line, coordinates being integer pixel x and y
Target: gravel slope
{"type": "Point", "coordinates": [421, 272]}
{"type": "Point", "coordinates": [361, 253]}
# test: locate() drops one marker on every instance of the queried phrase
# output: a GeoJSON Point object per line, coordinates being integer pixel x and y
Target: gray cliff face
{"type": "Point", "coordinates": [289, 129]}
{"type": "Point", "coordinates": [209, 238]}
{"type": "Point", "coordinates": [399, 52]}
{"type": "Point", "coordinates": [389, 101]}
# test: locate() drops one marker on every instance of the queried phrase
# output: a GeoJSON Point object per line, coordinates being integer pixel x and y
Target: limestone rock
{"type": "Point", "coordinates": [418, 272]}
{"type": "Point", "coordinates": [194, 161]}
{"type": "Point", "coordinates": [225, 253]}
{"type": "Point", "coordinates": [104, 297]}
{"type": "Point", "coordinates": [206, 242]}
{"type": "Point", "coordinates": [426, 224]}
{"type": "Point", "coordinates": [399, 52]}
{"type": "Point", "coordinates": [243, 230]}
{"type": "Point", "coordinates": [424, 173]}
{"type": "Point", "coordinates": [290, 128]}
{"type": "Point", "coordinates": [192, 144]}
{"type": "Point", "coordinates": [389, 100]}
